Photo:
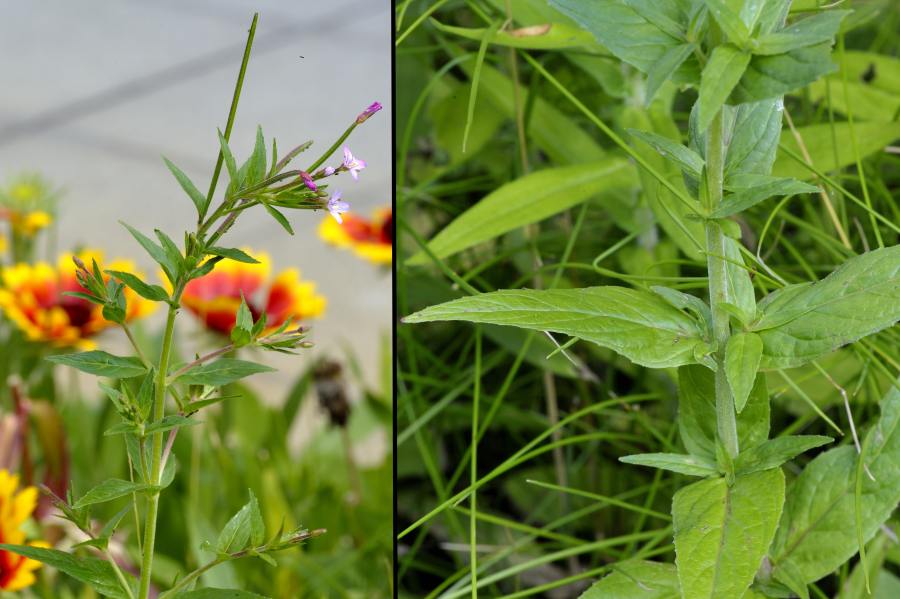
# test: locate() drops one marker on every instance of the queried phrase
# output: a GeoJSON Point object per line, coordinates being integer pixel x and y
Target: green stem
{"type": "Point", "coordinates": [333, 147]}
{"type": "Point", "coordinates": [159, 409]}
{"type": "Point", "coordinates": [726, 424]}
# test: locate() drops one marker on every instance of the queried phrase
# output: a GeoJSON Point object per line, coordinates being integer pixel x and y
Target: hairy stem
{"type": "Point", "coordinates": [726, 424]}
{"type": "Point", "coordinates": [159, 410]}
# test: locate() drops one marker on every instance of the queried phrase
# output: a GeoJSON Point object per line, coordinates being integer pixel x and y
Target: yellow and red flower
{"type": "Point", "coordinates": [16, 506]}
{"type": "Point", "coordinates": [31, 295]}
{"type": "Point", "coordinates": [216, 297]}
{"type": "Point", "coordinates": [370, 239]}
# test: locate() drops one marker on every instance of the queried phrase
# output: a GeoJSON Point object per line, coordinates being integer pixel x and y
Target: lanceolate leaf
{"type": "Point", "coordinates": [639, 325]}
{"type": "Point", "coordinates": [773, 76]}
{"type": "Point", "coordinates": [687, 159]}
{"type": "Point", "coordinates": [151, 292]}
{"type": "Point", "coordinates": [232, 253]}
{"type": "Point", "coordinates": [529, 199]}
{"type": "Point", "coordinates": [107, 491]}
{"type": "Point", "coordinates": [665, 67]}
{"type": "Point", "coordinates": [551, 36]}
{"type": "Point", "coordinates": [746, 198]}
{"type": "Point", "coordinates": [755, 137]}
{"type": "Point", "coordinates": [812, 30]}
{"type": "Point", "coordinates": [222, 372]}
{"type": "Point", "coordinates": [817, 533]}
{"type": "Point", "coordinates": [637, 580]}
{"type": "Point", "coordinates": [775, 452]}
{"type": "Point", "coordinates": [742, 356]}
{"type": "Point", "coordinates": [188, 186]}
{"type": "Point", "coordinates": [739, 287]}
{"type": "Point", "coordinates": [682, 464]}
{"type": "Point", "coordinates": [729, 20]}
{"type": "Point", "coordinates": [721, 74]}
{"type": "Point", "coordinates": [798, 323]}
{"type": "Point", "coordinates": [101, 363]}
{"type": "Point", "coordinates": [722, 532]}
{"type": "Point", "coordinates": [95, 572]}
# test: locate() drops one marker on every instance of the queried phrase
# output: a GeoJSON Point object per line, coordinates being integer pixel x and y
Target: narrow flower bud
{"type": "Point", "coordinates": [365, 114]}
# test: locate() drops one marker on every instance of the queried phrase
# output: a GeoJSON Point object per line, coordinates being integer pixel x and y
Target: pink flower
{"type": "Point", "coordinates": [353, 164]}
{"type": "Point", "coordinates": [365, 114]}
{"type": "Point", "coordinates": [337, 207]}
{"type": "Point", "coordinates": [328, 171]}
{"type": "Point", "coordinates": [308, 181]}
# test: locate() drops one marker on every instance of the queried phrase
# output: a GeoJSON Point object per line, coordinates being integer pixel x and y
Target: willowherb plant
{"type": "Point", "coordinates": [738, 532]}
{"type": "Point", "coordinates": [148, 428]}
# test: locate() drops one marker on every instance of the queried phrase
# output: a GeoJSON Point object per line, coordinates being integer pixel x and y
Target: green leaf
{"type": "Point", "coordinates": [767, 187]}
{"type": "Point", "coordinates": [233, 254]}
{"type": "Point", "coordinates": [169, 422]}
{"type": "Point", "coordinates": [151, 292]}
{"type": "Point", "coordinates": [742, 356]}
{"type": "Point", "coordinates": [799, 323]}
{"type": "Point", "coordinates": [257, 525]}
{"type": "Point", "coordinates": [236, 534]}
{"type": "Point", "coordinates": [171, 250]}
{"type": "Point", "coordinates": [831, 149]}
{"type": "Point", "coordinates": [637, 580]}
{"type": "Point", "coordinates": [639, 325]}
{"type": "Point", "coordinates": [526, 200]}
{"type": "Point", "coordinates": [666, 16]}
{"type": "Point", "coordinates": [773, 76]}
{"type": "Point", "coordinates": [697, 413]}
{"type": "Point", "coordinates": [188, 186]}
{"type": "Point", "coordinates": [85, 296]}
{"type": "Point", "coordinates": [213, 593]}
{"type": "Point", "coordinates": [108, 490]}
{"type": "Point", "coordinates": [101, 363]}
{"type": "Point", "coordinates": [665, 67]}
{"type": "Point", "coordinates": [626, 34]}
{"type": "Point", "coordinates": [280, 218]}
{"type": "Point", "coordinates": [775, 452]}
{"type": "Point", "coordinates": [682, 464]}
{"type": "Point", "coordinates": [873, 87]}
{"type": "Point", "coordinates": [686, 301]}
{"type": "Point", "coordinates": [722, 532]}
{"type": "Point", "coordinates": [95, 572]}
{"type": "Point", "coordinates": [222, 372]}
{"type": "Point", "coordinates": [550, 36]}
{"type": "Point", "coordinates": [738, 286]}
{"type": "Point", "coordinates": [230, 165]}
{"type": "Point", "coordinates": [816, 534]}
{"type": "Point", "coordinates": [256, 164]}
{"type": "Point", "coordinates": [754, 139]}
{"type": "Point", "coordinates": [687, 159]}
{"type": "Point", "coordinates": [156, 252]}
{"type": "Point", "coordinates": [729, 21]}
{"type": "Point", "coordinates": [721, 74]}
{"type": "Point", "coordinates": [821, 27]}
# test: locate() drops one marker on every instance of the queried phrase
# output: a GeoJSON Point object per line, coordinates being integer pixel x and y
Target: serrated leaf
{"type": "Point", "coordinates": [222, 372]}
{"type": "Point", "coordinates": [233, 254]}
{"type": "Point", "coordinates": [742, 356]}
{"type": "Point", "coordinates": [213, 593]}
{"type": "Point", "coordinates": [151, 292]}
{"type": "Point", "coordinates": [697, 413]}
{"type": "Point", "coordinates": [729, 21]}
{"type": "Point", "coordinates": [722, 532]}
{"type": "Point", "coordinates": [108, 490]}
{"type": "Point", "coordinates": [526, 200]}
{"type": "Point", "coordinates": [683, 464]}
{"type": "Point", "coordinates": [236, 533]}
{"type": "Point", "coordinates": [156, 252]}
{"type": "Point", "coordinates": [101, 363]}
{"type": "Point", "coordinates": [637, 580]}
{"type": "Point", "coordinates": [799, 323]}
{"type": "Point", "coordinates": [817, 533]}
{"type": "Point", "coordinates": [768, 187]}
{"type": "Point", "coordinates": [639, 325]}
{"type": "Point", "coordinates": [775, 452]}
{"type": "Point", "coordinates": [188, 186]}
{"type": "Point", "coordinates": [720, 75]}
{"type": "Point", "coordinates": [821, 27]}
{"type": "Point", "coordinates": [95, 572]}
{"type": "Point", "coordinates": [687, 159]}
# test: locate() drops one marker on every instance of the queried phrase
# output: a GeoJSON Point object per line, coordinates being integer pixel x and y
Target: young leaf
{"type": "Point", "coordinates": [151, 292]}
{"type": "Point", "coordinates": [775, 452]}
{"type": "Point", "coordinates": [236, 533]}
{"type": "Point", "coordinates": [687, 159]}
{"type": "Point", "coordinates": [256, 164]}
{"type": "Point", "coordinates": [229, 160]}
{"type": "Point", "coordinates": [721, 74]}
{"type": "Point", "coordinates": [101, 363]}
{"type": "Point", "coordinates": [730, 22]}
{"type": "Point", "coordinates": [816, 534]}
{"type": "Point", "coordinates": [639, 325]}
{"type": "Point", "coordinates": [722, 532]}
{"type": "Point", "coordinates": [821, 27]}
{"type": "Point", "coordinates": [799, 323]}
{"type": "Point", "coordinates": [683, 464]}
{"type": "Point", "coordinates": [95, 572]}
{"type": "Point", "coordinates": [742, 356]}
{"type": "Point", "coordinates": [108, 490]}
{"type": "Point", "coordinates": [171, 250]}
{"type": "Point", "coordinates": [257, 525]}
{"type": "Point", "coordinates": [637, 580]}
{"type": "Point", "coordinates": [242, 332]}
{"type": "Point", "coordinates": [188, 186]}
{"type": "Point", "coordinates": [233, 254]}
{"type": "Point", "coordinates": [749, 197]}
{"type": "Point", "coordinates": [156, 252]}
{"type": "Point", "coordinates": [526, 200]}
{"type": "Point", "coordinates": [222, 372]}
